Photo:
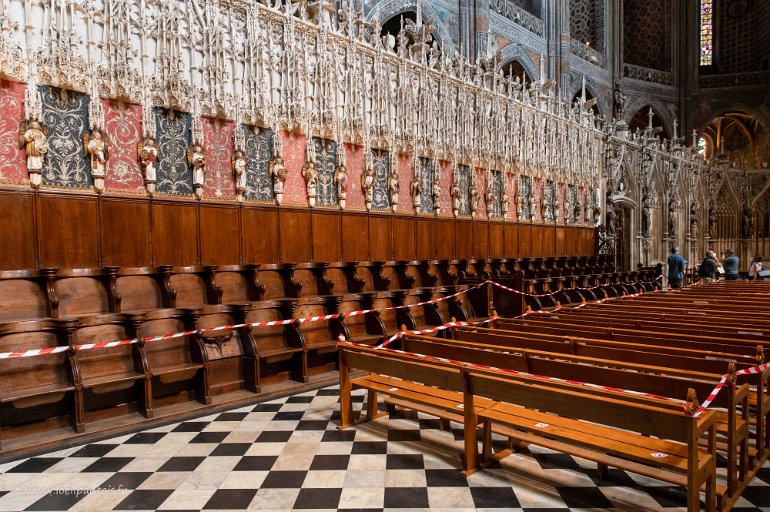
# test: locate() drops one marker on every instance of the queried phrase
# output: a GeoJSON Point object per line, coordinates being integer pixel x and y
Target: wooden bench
{"type": "Point", "coordinates": [317, 339]}
{"type": "Point", "coordinates": [367, 329]}
{"type": "Point", "coordinates": [279, 355]}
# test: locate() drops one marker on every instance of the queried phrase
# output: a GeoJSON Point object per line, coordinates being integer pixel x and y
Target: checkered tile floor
{"type": "Point", "coordinates": [287, 454]}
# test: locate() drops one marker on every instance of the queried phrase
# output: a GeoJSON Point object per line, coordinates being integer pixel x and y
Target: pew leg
{"type": "Point", "coordinates": [372, 411]}
{"type": "Point", "coordinates": [202, 387]}
{"type": "Point", "coordinates": [79, 414]}
{"type": "Point", "coordinates": [486, 444]}
{"type": "Point", "coordinates": [346, 388]}
{"type": "Point", "coordinates": [471, 423]}
{"type": "Point", "coordinates": [603, 471]}
{"type": "Point", "coordinates": [145, 397]}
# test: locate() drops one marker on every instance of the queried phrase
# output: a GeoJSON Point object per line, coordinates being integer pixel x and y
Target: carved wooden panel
{"type": "Point", "coordinates": [511, 235]}
{"type": "Point", "coordinates": [355, 237]}
{"type": "Point", "coordinates": [295, 236]}
{"type": "Point", "coordinates": [445, 239]}
{"type": "Point", "coordinates": [327, 236]}
{"type": "Point", "coordinates": [380, 238]}
{"type": "Point", "coordinates": [561, 243]}
{"type": "Point", "coordinates": [496, 240]}
{"type": "Point", "coordinates": [549, 241]}
{"type": "Point", "coordinates": [403, 238]}
{"type": "Point", "coordinates": [480, 247]}
{"type": "Point", "coordinates": [68, 231]}
{"type": "Point", "coordinates": [464, 243]}
{"type": "Point", "coordinates": [220, 233]}
{"type": "Point", "coordinates": [425, 238]}
{"type": "Point", "coordinates": [126, 232]}
{"type": "Point", "coordinates": [174, 233]}
{"type": "Point", "coordinates": [17, 236]}
{"type": "Point", "coordinates": [525, 241]}
{"type": "Point", "coordinates": [260, 235]}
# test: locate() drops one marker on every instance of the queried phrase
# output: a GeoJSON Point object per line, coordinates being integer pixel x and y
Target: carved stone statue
{"type": "Point", "coordinates": [671, 220]}
{"type": "Point", "coordinates": [519, 205]}
{"type": "Point", "coordinates": [341, 181]}
{"type": "Point", "coordinates": [436, 191]}
{"type": "Point", "coordinates": [197, 158]}
{"type": "Point", "coordinates": [532, 206]}
{"type": "Point", "coordinates": [310, 174]}
{"type": "Point", "coordinates": [34, 139]}
{"type": "Point", "coordinates": [148, 158]}
{"type": "Point", "coordinates": [491, 199]}
{"type": "Point", "coordinates": [239, 170]}
{"type": "Point", "coordinates": [645, 216]}
{"type": "Point", "coordinates": [416, 188]}
{"type": "Point", "coordinates": [96, 147]}
{"type": "Point", "coordinates": [456, 198]}
{"type": "Point", "coordinates": [367, 185]}
{"type": "Point", "coordinates": [578, 209]}
{"type": "Point", "coordinates": [279, 173]}
{"type": "Point", "coordinates": [504, 202]}
{"type": "Point", "coordinates": [748, 223]}
{"type": "Point", "coordinates": [393, 187]}
{"type": "Point", "coordinates": [612, 217]}
{"type": "Point", "coordinates": [473, 194]}
{"type": "Point", "coordinates": [557, 209]}
{"type": "Point", "coordinates": [712, 233]}
{"type": "Point", "coordinates": [694, 222]}
{"type": "Point", "coordinates": [620, 101]}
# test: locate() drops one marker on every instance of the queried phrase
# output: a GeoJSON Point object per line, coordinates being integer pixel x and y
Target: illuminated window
{"type": "Point", "coordinates": [706, 32]}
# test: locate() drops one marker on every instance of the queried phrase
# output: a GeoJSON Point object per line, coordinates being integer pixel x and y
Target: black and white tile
{"type": "Point", "coordinates": [288, 454]}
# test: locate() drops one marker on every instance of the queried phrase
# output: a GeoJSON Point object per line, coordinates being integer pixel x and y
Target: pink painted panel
{"type": "Point", "coordinates": [481, 184]}
{"type": "Point", "coordinates": [218, 142]}
{"type": "Point", "coordinates": [446, 186]}
{"type": "Point", "coordinates": [354, 158]}
{"type": "Point", "coordinates": [295, 193]}
{"type": "Point", "coordinates": [510, 183]}
{"type": "Point", "coordinates": [13, 162]}
{"type": "Point", "coordinates": [560, 197]}
{"type": "Point", "coordinates": [538, 191]}
{"type": "Point", "coordinates": [405, 205]}
{"type": "Point", "coordinates": [123, 124]}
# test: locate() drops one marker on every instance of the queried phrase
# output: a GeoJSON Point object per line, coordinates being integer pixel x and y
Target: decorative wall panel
{"type": "Point", "coordinates": [326, 163]}
{"type": "Point", "coordinates": [380, 161]}
{"type": "Point", "coordinates": [496, 186]}
{"type": "Point", "coordinates": [525, 182]}
{"type": "Point", "coordinates": [66, 115]}
{"type": "Point", "coordinates": [446, 186]}
{"type": "Point", "coordinates": [173, 137]}
{"type": "Point", "coordinates": [427, 167]}
{"type": "Point", "coordinates": [405, 163]}
{"type": "Point", "coordinates": [295, 192]}
{"type": "Point", "coordinates": [481, 185]}
{"type": "Point", "coordinates": [571, 201]}
{"type": "Point", "coordinates": [354, 158]}
{"type": "Point", "coordinates": [218, 141]}
{"type": "Point", "coordinates": [258, 151]}
{"type": "Point", "coordinates": [13, 165]}
{"type": "Point", "coordinates": [123, 124]}
{"type": "Point", "coordinates": [463, 181]}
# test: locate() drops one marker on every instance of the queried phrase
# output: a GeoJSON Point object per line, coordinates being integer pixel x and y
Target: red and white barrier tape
{"type": "Point", "coordinates": [550, 294]}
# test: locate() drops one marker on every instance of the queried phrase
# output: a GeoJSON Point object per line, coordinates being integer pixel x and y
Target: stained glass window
{"type": "Point", "coordinates": [706, 32]}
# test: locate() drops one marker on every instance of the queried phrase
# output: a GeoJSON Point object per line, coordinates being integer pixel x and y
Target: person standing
{"type": "Point", "coordinates": [676, 266]}
{"type": "Point", "coordinates": [731, 264]}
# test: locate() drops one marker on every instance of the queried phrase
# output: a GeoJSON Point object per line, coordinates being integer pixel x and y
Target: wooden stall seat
{"type": "Point", "coordinates": [389, 317]}
{"type": "Point", "coordinates": [343, 277]}
{"type": "Point", "coordinates": [278, 281]}
{"type": "Point", "coordinates": [367, 329]}
{"type": "Point", "coordinates": [238, 283]}
{"type": "Point", "coordinates": [423, 316]}
{"type": "Point", "coordinates": [115, 381]}
{"type": "Point", "coordinates": [371, 273]}
{"type": "Point", "coordinates": [313, 279]}
{"type": "Point", "coordinates": [38, 393]}
{"type": "Point", "coordinates": [317, 339]}
{"type": "Point", "coordinates": [27, 295]}
{"type": "Point", "coordinates": [85, 292]}
{"type": "Point", "coordinates": [143, 289]}
{"type": "Point", "coordinates": [192, 286]}
{"type": "Point", "coordinates": [279, 355]}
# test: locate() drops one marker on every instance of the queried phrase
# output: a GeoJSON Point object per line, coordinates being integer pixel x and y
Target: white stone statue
{"type": "Point", "coordinates": [504, 201]}
{"type": "Point", "coordinates": [310, 174]}
{"type": "Point", "coordinates": [491, 199]}
{"type": "Point", "coordinates": [34, 140]}
{"type": "Point", "coordinates": [239, 170]}
{"type": "Point", "coordinates": [341, 181]}
{"type": "Point", "coordinates": [416, 187]}
{"type": "Point", "coordinates": [456, 194]}
{"type": "Point", "coordinates": [279, 173]}
{"type": "Point", "coordinates": [96, 147]}
{"type": "Point", "coordinates": [393, 187]}
{"type": "Point", "coordinates": [148, 161]}
{"type": "Point", "coordinates": [436, 192]}
{"type": "Point", "coordinates": [519, 206]}
{"type": "Point", "coordinates": [367, 185]}
{"type": "Point", "coordinates": [473, 194]}
{"type": "Point", "coordinates": [197, 158]}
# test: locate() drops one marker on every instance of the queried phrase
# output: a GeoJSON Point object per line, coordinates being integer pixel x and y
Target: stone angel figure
{"type": "Point", "coordinates": [505, 199]}
{"type": "Point", "coordinates": [367, 185]}
{"type": "Point", "coordinates": [239, 170]}
{"type": "Point", "coordinates": [491, 199]}
{"type": "Point", "coordinates": [456, 194]}
{"type": "Point", "coordinates": [147, 154]}
{"type": "Point", "coordinates": [196, 157]}
{"type": "Point", "coordinates": [341, 181]}
{"type": "Point", "coordinates": [519, 205]}
{"type": "Point", "coordinates": [393, 187]}
{"type": "Point", "coordinates": [96, 146]}
{"type": "Point", "coordinates": [310, 174]}
{"type": "Point", "coordinates": [33, 138]}
{"type": "Point", "coordinates": [279, 173]}
{"type": "Point", "coordinates": [436, 192]}
{"type": "Point", "coordinates": [416, 189]}
{"type": "Point", "coordinates": [473, 194]}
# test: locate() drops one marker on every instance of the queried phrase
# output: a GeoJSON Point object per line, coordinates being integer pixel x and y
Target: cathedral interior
{"type": "Point", "coordinates": [177, 166]}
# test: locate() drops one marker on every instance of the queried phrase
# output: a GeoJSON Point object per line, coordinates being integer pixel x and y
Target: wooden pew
{"type": "Point", "coordinates": [144, 289]}
{"type": "Point", "coordinates": [367, 329]}
{"type": "Point", "coordinates": [317, 339]}
{"type": "Point", "coordinates": [27, 295]}
{"type": "Point", "coordinates": [279, 356]}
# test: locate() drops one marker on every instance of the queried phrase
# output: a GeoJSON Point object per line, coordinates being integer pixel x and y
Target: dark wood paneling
{"type": "Point", "coordinates": [126, 232]}
{"type": "Point", "coordinates": [69, 231]}
{"type": "Point", "coordinates": [426, 238]}
{"type": "Point", "coordinates": [403, 238]}
{"type": "Point", "coordinates": [220, 234]}
{"type": "Point", "coordinates": [355, 237]}
{"type": "Point", "coordinates": [496, 240]}
{"type": "Point", "coordinates": [570, 237]}
{"type": "Point", "coordinates": [295, 236]}
{"type": "Point", "coordinates": [260, 235]}
{"type": "Point", "coordinates": [380, 238]}
{"type": "Point", "coordinates": [525, 240]}
{"type": "Point", "coordinates": [560, 245]}
{"type": "Point", "coordinates": [445, 239]}
{"type": "Point", "coordinates": [512, 249]}
{"type": "Point", "coordinates": [174, 233]}
{"type": "Point", "coordinates": [480, 247]}
{"type": "Point", "coordinates": [464, 240]}
{"type": "Point", "coordinates": [17, 235]}
{"type": "Point", "coordinates": [327, 236]}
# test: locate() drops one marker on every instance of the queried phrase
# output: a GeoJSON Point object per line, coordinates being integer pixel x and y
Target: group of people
{"type": "Point", "coordinates": [711, 268]}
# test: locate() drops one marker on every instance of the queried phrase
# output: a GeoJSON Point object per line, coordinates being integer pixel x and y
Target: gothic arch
{"type": "Point", "coordinates": [517, 52]}
{"type": "Point", "coordinates": [387, 9]}
{"type": "Point", "coordinates": [658, 108]}
{"type": "Point", "coordinates": [577, 86]}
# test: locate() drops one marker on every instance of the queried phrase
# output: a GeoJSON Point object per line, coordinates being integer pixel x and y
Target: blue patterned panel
{"type": "Point", "coordinates": [549, 195]}
{"type": "Point", "coordinates": [526, 192]}
{"type": "Point", "coordinates": [173, 133]}
{"type": "Point", "coordinates": [65, 113]}
{"type": "Point", "coordinates": [326, 162]}
{"type": "Point", "coordinates": [572, 196]}
{"type": "Point", "coordinates": [496, 186]}
{"type": "Point", "coordinates": [464, 182]}
{"type": "Point", "coordinates": [381, 164]}
{"type": "Point", "coordinates": [426, 177]}
{"type": "Point", "coordinates": [258, 150]}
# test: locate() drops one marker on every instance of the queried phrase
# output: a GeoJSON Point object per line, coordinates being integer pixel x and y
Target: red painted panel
{"type": "Point", "coordinates": [354, 156]}
{"type": "Point", "coordinates": [13, 163]}
{"type": "Point", "coordinates": [218, 141]}
{"type": "Point", "coordinates": [405, 204]}
{"type": "Point", "coordinates": [123, 124]}
{"type": "Point", "coordinates": [295, 193]}
{"type": "Point", "coordinates": [446, 187]}
{"type": "Point", "coordinates": [481, 185]}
